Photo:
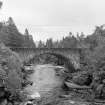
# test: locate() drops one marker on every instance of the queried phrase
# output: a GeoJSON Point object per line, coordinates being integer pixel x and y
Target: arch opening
{"type": "Point", "coordinates": [61, 60]}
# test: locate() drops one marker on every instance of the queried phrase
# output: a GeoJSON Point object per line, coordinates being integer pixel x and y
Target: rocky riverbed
{"type": "Point", "coordinates": [47, 86]}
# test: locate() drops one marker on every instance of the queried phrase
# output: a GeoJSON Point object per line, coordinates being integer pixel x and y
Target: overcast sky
{"type": "Point", "coordinates": [54, 18]}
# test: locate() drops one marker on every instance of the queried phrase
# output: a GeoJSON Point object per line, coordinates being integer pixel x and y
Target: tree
{"type": "Point", "coordinates": [49, 43]}
{"type": "Point", "coordinates": [12, 76]}
{"type": "Point", "coordinates": [26, 32]}
{"type": "Point", "coordinates": [69, 42]}
{"type": "Point", "coordinates": [15, 39]}
{"type": "Point", "coordinates": [11, 37]}
{"type": "Point", "coordinates": [28, 40]}
{"type": "Point", "coordinates": [41, 44]}
{"type": "Point", "coordinates": [56, 44]}
{"type": "Point", "coordinates": [1, 4]}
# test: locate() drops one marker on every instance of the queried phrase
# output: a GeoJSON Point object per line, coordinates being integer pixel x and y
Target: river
{"type": "Point", "coordinates": [44, 79]}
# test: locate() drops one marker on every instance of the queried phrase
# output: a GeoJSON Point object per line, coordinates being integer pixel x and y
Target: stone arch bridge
{"type": "Point", "coordinates": [73, 54]}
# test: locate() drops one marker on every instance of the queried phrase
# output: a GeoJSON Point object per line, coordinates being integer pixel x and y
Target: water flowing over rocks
{"type": "Point", "coordinates": [44, 79]}
{"type": "Point", "coordinates": [48, 86]}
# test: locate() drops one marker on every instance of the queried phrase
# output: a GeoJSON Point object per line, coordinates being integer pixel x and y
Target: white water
{"type": "Point", "coordinates": [44, 79]}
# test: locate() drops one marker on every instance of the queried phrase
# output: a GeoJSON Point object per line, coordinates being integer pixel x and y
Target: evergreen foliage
{"type": "Point", "coordinates": [11, 37]}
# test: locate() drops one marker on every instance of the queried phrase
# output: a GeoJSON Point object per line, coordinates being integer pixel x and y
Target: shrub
{"type": "Point", "coordinates": [11, 75]}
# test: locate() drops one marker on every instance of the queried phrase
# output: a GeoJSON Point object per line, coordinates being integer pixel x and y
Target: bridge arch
{"type": "Point", "coordinates": [73, 54]}
{"type": "Point", "coordinates": [68, 63]}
